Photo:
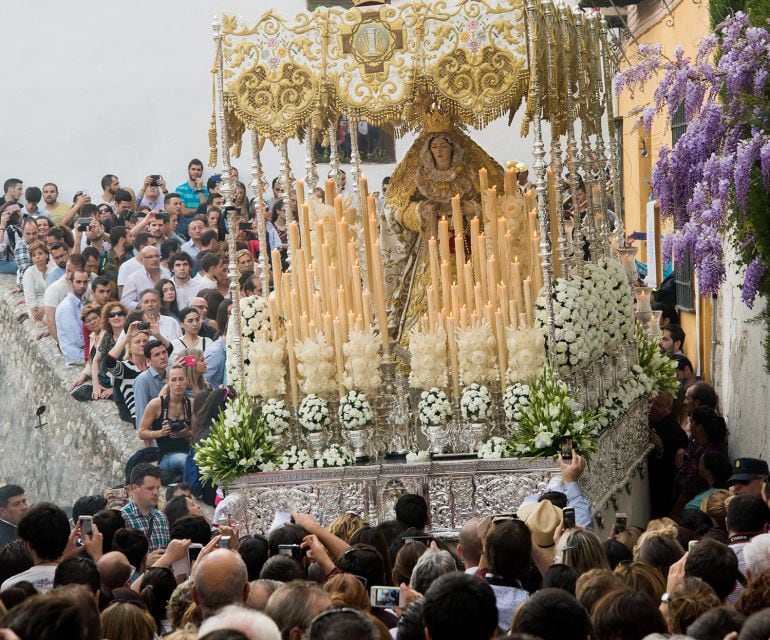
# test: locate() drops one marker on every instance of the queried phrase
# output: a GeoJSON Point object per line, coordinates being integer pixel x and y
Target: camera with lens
{"type": "Point", "coordinates": [177, 425]}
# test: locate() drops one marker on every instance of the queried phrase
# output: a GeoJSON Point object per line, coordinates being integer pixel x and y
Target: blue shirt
{"type": "Point", "coordinates": [54, 275]}
{"type": "Point", "coordinates": [190, 199]}
{"type": "Point", "coordinates": [146, 387]}
{"type": "Point", "coordinates": [216, 358]}
{"type": "Point", "coordinates": [69, 328]}
{"type": "Point", "coordinates": [575, 499]}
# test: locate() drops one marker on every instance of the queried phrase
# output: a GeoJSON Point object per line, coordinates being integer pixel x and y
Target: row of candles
{"type": "Point", "coordinates": [326, 290]}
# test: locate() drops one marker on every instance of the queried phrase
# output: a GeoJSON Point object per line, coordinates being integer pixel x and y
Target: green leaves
{"type": "Point", "coordinates": [238, 443]}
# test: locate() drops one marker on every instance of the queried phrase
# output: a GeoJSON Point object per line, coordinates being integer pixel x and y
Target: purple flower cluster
{"type": "Point", "coordinates": [705, 179]}
{"type": "Point", "coordinates": [754, 274]}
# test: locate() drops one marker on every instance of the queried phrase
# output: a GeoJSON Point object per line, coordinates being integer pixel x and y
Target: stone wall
{"type": "Point", "coordinates": [740, 375]}
{"type": "Point", "coordinates": [84, 446]}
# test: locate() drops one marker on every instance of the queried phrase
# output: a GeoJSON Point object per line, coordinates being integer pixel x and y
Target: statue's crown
{"type": "Point", "coordinates": [436, 121]}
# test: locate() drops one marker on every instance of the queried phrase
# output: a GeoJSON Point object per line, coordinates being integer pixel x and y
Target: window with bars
{"type": "Point", "coordinates": [685, 294]}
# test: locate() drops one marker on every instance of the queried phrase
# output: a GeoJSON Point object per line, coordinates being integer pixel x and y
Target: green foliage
{"type": "Point", "coordinates": [551, 413]}
{"type": "Point", "coordinates": [656, 365]}
{"type": "Point", "coordinates": [237, 445]}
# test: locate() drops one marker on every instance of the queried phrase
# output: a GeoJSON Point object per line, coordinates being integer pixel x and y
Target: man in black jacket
{"type": "Point", "coordinates": [13, 505]}
{"type": "Point", "coordinates": [667, 438]}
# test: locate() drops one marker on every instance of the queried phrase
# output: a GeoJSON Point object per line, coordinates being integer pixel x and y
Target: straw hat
{"type": "Point", "coordinates": [541, 519]}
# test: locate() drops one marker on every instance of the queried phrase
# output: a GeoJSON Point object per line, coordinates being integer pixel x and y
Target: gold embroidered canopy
{"type": "Point", "coordinates": [283, 76]}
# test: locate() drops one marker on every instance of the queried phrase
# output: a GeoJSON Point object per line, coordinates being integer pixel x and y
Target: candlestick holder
{"type": "Point", "coordinates": [628, 260]}
{"type": "Point", "coordinates": [358, 441]}
{"type": "Point", "coordinates": [654, 325]}
{"type": "Point", "coordinates": [315, 441]}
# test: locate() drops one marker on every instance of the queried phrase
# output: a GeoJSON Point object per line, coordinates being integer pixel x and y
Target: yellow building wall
{"type": "Point", "coordinates": [641, 149]}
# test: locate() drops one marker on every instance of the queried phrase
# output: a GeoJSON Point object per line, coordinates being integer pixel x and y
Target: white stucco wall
{"type": "Point", "coordinates": [124, 88]}
{"type": "Point", "coordinates": [743, 383]}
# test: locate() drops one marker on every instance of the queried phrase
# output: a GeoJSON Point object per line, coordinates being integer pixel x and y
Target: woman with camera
{"type": "Point", "coordinates": [124, 362]}
{"type": "Point", "coordinates": [167, 420]}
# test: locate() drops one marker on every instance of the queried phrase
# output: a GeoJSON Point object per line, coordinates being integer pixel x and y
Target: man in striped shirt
{"type": "Point", "coordinates": [142, 511]}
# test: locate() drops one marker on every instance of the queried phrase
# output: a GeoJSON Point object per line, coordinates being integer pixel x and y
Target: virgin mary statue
{"type": "Point", "coordinates": [442, 162]}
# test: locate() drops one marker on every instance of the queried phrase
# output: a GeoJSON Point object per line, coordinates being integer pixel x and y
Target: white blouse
{"type": "Point", "coordinates": [34, 286]}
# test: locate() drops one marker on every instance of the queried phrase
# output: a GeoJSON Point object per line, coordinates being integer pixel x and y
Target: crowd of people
{"type": "Point", "coordinates": [128, 565]}
{"type": "Point", "coordinates": [133, 288]}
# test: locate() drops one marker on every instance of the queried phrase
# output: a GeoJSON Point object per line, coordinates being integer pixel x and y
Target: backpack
{"type": "Point", "coordinates": [145, 454]}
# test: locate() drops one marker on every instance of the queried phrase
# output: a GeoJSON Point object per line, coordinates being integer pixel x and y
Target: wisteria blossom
{"type": "Point", "coordinates": [704, 184]}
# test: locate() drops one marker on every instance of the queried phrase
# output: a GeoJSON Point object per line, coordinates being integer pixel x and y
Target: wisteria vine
{"type": "Point", "coordinates": [715, 181]}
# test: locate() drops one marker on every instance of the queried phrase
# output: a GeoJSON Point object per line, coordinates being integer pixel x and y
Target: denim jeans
{"type": "Point", "coordinates": [8, 266]}
{"type": "Point", "coordinates": [173, 463]}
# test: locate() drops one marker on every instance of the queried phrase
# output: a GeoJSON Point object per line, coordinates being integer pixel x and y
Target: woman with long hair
{"type": "Point", "coordinates": [112, 321]}
{"type": "Point", "coordinates": [126, 621]}
{"type": "Point", "coordinates": [190, 321]}
{"type": "Point", "coordinates": [215, 353]}
{"type": "Point", "coordinates": [168, 302]}
{"type": "Point", "coordinates": [124, 362]}
{"type": "Point", "coordinates": [195, 369]}
{"type": "Point", "coordinates": [240, 200]}
{"type": "Point", "coordinates": [581, 550]}
{"type": "Point", "coordinates": [207, 405]}
{"type": "Point", "coordinates": [167, 420]}
{"type": "Point", "coordinates": [278, 220]}
{"type": "Point", "coordinates": [156, 586]}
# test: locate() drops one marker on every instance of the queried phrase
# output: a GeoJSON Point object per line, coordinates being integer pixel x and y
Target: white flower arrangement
{"type": "Point", "coordinates": [362, 360]}
{"type": "Point", "coordinates": [623, 298]}
{"type": "Point", "coordinates": [313, 413]}
{"type": "Point", "coordinates": [265, 375]}
{"type": "Point", "coordinates": [613, 297]}
{"type": "Point", "coordinates": [295, 458]}
{"type": "Point", "coordinates": [552, 413]}
{"type": "Point", "coordinates": [434, 408]}
{"type": "Point", "coordinates": [429, 356]}
{"type": "Point", "coordinates": [475, 403]}
{"type": "Point", "coordinates": [355, 412]}
{"type": "Point", "coordinates": [476, 353]}
{"type": "Point", "coordinates": [336, 455]}
{"type": "Point", "coordinates": [494, 449]}
{"type": "Point", "coordinates": [238, 443]}
{"type": "Point", "coordinates": [618, 400]}
{"type": "Point", "coordinates": [277, 416]}
{"type": "Point", "coordinates": [526, 354]}
{"type": "Point", "coordinates": [255, 316]}
{"type": "Point", "coordinates": [315, 364]}
{"type": "Point", "coordinates": [571, 323]}
{"type": "Point", "coordinates": [515, 399]}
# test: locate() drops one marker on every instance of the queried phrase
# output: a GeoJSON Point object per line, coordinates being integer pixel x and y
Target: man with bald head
{"type": "Point", "coordinates": [221, 579]}
{"type": "Point", "coordinates": [469, 545]}
{"type": "Point", "coordinates": [145, 278]}
{"type": "Point", "coordinates": [114, 571]}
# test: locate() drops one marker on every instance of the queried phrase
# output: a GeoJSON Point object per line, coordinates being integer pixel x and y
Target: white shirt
{"type": "Point", "coordinates": [187, 291]}
{"type": "Point", "coordinates": [169, 328]}
{"type": "Point", "coordinates": [34, 286]}
{"type": "Point", "coordinates": [207, 283]}
{"type": "Point", "coordinates": [138, 282]}
{"type": "Point", "coordinates": [40, 576]}
{"type": "Point", "coordinates": [56, 292]}
{"type": "Point", "coordinates": [126, 269]}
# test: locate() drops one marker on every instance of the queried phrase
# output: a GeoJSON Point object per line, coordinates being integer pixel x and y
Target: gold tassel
{"type": "Point", "coordinates": [213, 141]}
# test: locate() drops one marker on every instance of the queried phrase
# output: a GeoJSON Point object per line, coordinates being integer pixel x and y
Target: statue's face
{"type": "Point", "coordinates": [442, 153]}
